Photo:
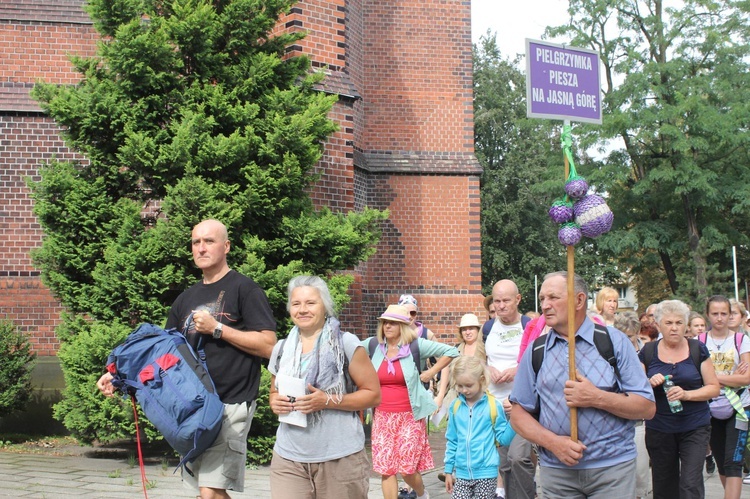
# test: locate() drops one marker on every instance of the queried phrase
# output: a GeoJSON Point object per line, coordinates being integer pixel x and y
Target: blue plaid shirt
{"type": "Point", "coordinates": [609, 439]}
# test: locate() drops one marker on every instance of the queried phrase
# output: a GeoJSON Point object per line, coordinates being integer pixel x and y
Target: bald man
{"type": "Point", "coordinates": [502, 345]}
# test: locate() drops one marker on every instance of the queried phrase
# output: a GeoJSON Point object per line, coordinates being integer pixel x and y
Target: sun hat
{"type": "Point", "coordinates": [396, 313]}
{"type": "Point", "coordinates": [469, 320]}
{"type": "Point", "coordinates": [407, 300]}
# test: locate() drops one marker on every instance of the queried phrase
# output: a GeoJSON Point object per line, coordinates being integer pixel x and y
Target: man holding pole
{"type": "Point", "coordinates": [594, 457]}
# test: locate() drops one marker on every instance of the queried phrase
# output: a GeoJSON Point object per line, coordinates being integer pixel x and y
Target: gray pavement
{"type": "Point", "coordinates": [91, 476]}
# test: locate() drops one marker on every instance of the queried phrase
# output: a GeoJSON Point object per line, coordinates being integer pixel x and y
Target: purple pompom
{"type": "Point", "coordinates": [577, 187]}
{"type": "Point", "coordinates": [569, 234]}
{"type": "Point", "coordinates": [593, 216]}
{"type": "Point", "coordinates": [561, 211]}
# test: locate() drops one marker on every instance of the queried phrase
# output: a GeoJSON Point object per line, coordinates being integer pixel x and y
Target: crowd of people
{"type": "Point", "coordinates": [652, 399]}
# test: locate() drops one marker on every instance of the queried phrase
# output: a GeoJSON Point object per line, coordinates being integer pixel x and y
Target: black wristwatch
{"type": "Point", "coordinates": [218, 330]}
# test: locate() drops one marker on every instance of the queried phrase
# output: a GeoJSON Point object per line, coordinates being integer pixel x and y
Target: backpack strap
{"type": "Point", "coordinates": [414, 347]}
{"type": "Point", "coordinates": [695, 353]}
{"type": "Point", "coordinates": [278, 357]}
{"type": "Point", "coordinates": [702, 337]}
{"type": "Point", "coordinates": [603, 342]}
{"type": "Point", "coordinates": [371, 346]}
{"type": "Point", "coordinates": [493, 408]}
{"type": "Point", "coordinates": [537, 353]}
{"type": "Point", "coordinates": [648, 353]}
{"type": "Point", "coordinates": [738, 341]}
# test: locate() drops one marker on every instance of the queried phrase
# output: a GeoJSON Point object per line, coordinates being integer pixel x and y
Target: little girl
{"type": "Point", "coordinates": [476, 424]}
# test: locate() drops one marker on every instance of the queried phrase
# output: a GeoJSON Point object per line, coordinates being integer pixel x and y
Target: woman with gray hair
{"type": "Point", "coordinates": [321, 452]}
{"type": "Point", "coordinates": [677, 436]}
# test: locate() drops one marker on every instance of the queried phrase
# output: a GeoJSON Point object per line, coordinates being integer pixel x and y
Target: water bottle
{"type": "Point", "coordinates": [674, 405]}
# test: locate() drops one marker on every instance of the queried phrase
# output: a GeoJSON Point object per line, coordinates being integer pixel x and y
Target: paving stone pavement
{"type": "Point", "coordinates": [90, 476]}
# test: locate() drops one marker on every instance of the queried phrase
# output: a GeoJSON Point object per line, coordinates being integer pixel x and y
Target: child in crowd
{"type": "Point", "coordinates": [476, 424]}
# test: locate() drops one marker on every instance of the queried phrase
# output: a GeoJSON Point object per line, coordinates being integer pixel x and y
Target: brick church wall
{"type": "Point", "coordinates": [402, 71]}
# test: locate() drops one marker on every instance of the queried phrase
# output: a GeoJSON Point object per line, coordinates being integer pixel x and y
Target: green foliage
{"type": "Point", "coordinates": [523, 175]}
{"type": "Point", "coordinates": [190, 110]}
{"type": "Point", "coordinates": [262, 434]}
{"type": "Point", "coordinates": [16, 365]}
{"type": "Point", "coordinates": [676, 105]}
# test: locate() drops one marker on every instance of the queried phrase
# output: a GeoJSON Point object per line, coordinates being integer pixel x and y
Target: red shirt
{"type": "Point", "coordinates": [394, 396]}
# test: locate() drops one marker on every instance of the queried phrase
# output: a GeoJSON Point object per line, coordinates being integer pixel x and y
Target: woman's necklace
{"type": "Point", "coordinates": [719, 345]}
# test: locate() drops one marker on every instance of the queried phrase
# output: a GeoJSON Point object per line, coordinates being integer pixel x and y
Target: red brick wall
{"type": "Point", "coordinates": [402, 70]}
{"type": "Point", "coordinates": [417, 67]}
{"type": "Point", "coordinates": [26, 140]}
{"type": "Point", "coordinates": [34, 50]}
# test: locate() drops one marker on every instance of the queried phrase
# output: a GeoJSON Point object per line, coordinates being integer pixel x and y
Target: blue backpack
{"type": "Point", "coordinates": [171, 383]}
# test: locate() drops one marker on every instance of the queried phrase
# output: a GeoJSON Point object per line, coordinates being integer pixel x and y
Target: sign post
{"type": "Point", "coordinates": [563, 83]}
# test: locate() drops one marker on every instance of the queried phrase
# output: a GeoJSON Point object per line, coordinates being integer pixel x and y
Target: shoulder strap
{"type": "Point", "coordinates": [603, 343]}
{"type": "Point", "coordinates": [371, 346]}
{"type": "Point", "coordinates": [738, 341]}
{"type": "Point", "coordinates": [648, 352]}
{"type": "Point", "coordinates": [695, 353]}
{"type": "Point", "coordinates": [456, 405]}
{"type": "Point", "coordinates": [422, 331]}
{"type": "Point", "coordinates": [493, 408]}
{"type": "Point", "coordinates": [702, 337]}
{"type": "Point", "coordinates": [537, 353]}
{"type": "Point", "coordinates": [414, 347]}
{"type": "Point", "coordinates": [278, 357]}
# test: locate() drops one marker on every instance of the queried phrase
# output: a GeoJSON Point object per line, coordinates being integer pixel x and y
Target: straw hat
{"type": "Point", "coordinates": [396, 313]}
{"type": "Point", "coordinates": [469, 320]}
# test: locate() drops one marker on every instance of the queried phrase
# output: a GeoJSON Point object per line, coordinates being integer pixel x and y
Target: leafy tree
{"type": "Point", "coordinates": [16, 364]}
{"type": "Point", "coordinates": [676, 98]}
{"type": "Point", "coordinates": [189, 110]}
{"type": "Point", "coordinates": [523, 175]}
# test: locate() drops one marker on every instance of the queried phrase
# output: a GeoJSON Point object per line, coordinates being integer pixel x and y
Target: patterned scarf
{"type": "Point", "coordinates": [326, 368]}
{"type": "Point", "coordinates": [403, 351]}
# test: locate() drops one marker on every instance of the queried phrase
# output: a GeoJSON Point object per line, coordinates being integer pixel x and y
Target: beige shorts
{"type": "Point", "coordinates": [222, 466]}
{"type": "Point", "coordinates": [347, 477]}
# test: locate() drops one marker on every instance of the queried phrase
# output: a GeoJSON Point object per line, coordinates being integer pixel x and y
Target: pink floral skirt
{"type": "Point", "coordinates": [399, 444]}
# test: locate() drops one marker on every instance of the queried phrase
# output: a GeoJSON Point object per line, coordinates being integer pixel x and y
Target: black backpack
{"type": "Point", "coordinates": [602, 341]}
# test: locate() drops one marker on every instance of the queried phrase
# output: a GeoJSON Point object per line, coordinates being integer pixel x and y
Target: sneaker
{"type": "Point", "coordinates": [441, 477]}
{"type": "Point", "coordinates": [746, 480]}
{"type": "Point", "coordinates": [710, 464]}
{"type": "Point", "coordinates": [403, 493]}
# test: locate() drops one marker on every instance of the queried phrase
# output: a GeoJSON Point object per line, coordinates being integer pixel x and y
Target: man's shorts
{"type": "Point", "coordinates": [222, 466]}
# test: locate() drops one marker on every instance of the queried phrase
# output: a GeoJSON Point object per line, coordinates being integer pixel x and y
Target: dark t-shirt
{"type": "Point", "coordinates": [686, 375]}
{"type": "Point", "coordinates": [238, 302]}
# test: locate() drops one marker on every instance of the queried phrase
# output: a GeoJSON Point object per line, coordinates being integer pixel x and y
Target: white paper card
{"type": "Point", "coordinates": [289, 386]}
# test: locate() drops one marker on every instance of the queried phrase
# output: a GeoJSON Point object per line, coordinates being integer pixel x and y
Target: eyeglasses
{"type": "Point", "coordinates": [413, 313]}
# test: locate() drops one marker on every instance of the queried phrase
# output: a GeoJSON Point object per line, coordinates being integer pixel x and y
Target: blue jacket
{"type": "Point", "coordinates": [470, 439]}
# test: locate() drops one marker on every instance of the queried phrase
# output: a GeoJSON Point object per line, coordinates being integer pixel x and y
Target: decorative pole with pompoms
{"type": "Point", "coordinates": [556, 89]}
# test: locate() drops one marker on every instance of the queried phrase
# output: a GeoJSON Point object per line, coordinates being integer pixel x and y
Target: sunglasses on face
{"type": "Point", "coordinates": [413, 313]}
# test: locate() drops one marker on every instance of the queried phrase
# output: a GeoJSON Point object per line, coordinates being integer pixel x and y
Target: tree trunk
{"type": "Point", "coordinates": [669, 270]}
{"type": "Point", "coordinates": [694, 240]}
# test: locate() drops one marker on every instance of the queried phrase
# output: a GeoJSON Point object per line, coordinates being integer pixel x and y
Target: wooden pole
{"type": "Point", "coordinates": [571, 314]}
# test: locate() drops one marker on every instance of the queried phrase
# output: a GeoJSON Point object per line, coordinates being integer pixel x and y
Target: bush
{"type": "Point", "coordinates": [16, 364]}
{"type": "Point", "coordinates": [84, 411]}
{"type": "Point", "coordinates": [262, 436]}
